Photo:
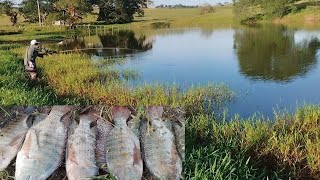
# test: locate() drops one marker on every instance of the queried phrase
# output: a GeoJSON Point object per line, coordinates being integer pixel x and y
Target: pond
{"type": "Point", "coordinates": [269, 67]}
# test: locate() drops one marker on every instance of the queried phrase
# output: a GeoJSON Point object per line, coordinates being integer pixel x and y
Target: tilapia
{"type": "Point", "coordinates": [43, 149]}
{"type": "Point", "coordinates": [134, 125]}
{"type": "Point", "coordinates": [12, 137]}
{"type": "Point", "coordinates": [159, 150]}
{"type": "Point", "coordinates": [80, 159]}
{"type": "Point", "coordinates": [179, 132]}
{"type": "Point", "coordinates": [104, 128]}
{"type": "Point", "coordinates": [123, 148]}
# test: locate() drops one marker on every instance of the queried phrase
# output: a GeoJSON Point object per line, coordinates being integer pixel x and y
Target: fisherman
{"type": "Point", "coordinates": [33, 51]}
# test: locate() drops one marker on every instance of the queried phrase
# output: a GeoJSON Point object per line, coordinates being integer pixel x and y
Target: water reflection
{"type": "Point", "coordinates": [268, 67]}
{"type": "Point", "coordinates": [106, 45]}
{"type": "Point", "coordinates": [270, 53]}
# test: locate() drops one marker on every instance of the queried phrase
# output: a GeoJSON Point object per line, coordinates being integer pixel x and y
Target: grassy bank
{"type": "Point", "coordinates": [16, 89]}
{"type": "Point", "coordinates": [308, 18]}
{"type": "Point", "coordinates": [75, 75]}
{"type": "Point", "coordinates": [256, 148]}
{"type": "Point", "coordinates": [70, 78]}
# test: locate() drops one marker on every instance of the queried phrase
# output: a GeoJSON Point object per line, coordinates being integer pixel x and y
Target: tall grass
{"type": "Point", "coordinates": [76, 75]}
{"type": "Point", "coordinates": [254, 148]}
{"type": "Point", "coordinates": [17, 89]}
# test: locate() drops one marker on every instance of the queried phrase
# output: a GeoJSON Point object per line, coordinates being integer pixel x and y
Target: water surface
{"type": "Point", "coordinates": [270, 67]}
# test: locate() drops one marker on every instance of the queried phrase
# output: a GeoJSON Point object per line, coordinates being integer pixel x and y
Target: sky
{"type": "Point", "coordinates": [188, 2]}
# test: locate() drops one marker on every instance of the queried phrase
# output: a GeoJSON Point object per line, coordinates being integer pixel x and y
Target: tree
{"type": "Point", "coordinates": [248, 10]}
{"type": "Point", "coordinates": [30, 12]}
{"type": "Point", "coordinates": [7, 7]}
{"type": "Point", "coordinates": [71, 10]}
{"type": "Point", "coordinates": [119, 11]}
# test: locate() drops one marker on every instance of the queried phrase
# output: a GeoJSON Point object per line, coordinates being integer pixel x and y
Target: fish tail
{"type": "Point", "coordinates": [120, 112]}
{"type": "Point", "coordinates": [86, 119]}
{"type": "Point", "coordinates": [155, 111]}
{"type": "Point", "coordinates": [28, 121]}
{"type": "Point", "coordinates": [62, 109]}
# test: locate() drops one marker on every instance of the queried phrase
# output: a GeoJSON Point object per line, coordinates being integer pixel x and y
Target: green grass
{"type": "Point", "coordinates": [186, 17]}
{"type": "Point", "coordinates": [254, 148]}
{"type": "Point", "coordinates": [307, 18]}
{"type": "Point", "coordinates": [70, 78]}
{"type": "Point", "coordinates": [75, 75]}
{"type": "Point", "coordinates": [16, 89]}
{"type": "Point", "coordinates": [4, 175]}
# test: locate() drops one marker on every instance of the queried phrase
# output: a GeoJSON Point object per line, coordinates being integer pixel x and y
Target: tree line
{"type": "Point", "coordinates": [252, 10]}
{"type": "Point", "coordinates": [71, 11]}
{"type": "Point", "coordinates": [176, 6]}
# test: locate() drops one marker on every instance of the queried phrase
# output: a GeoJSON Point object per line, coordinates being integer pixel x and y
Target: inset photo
{"type": "Point", "coordinates": [91, 142]}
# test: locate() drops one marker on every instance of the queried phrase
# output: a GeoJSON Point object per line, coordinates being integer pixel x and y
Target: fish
{"type": "Point", "coordinates": [12, 136]}
{"type": "Point", "coordinates": [134, 125]}
{"type": "Point", "coordinates": [43, 149]}
{"type": "Point", "coordinates": [80, 158]}
{"type": "Point", "coordinates": [104, 127]}
{"type": "Point", "coordinates": [179, 132]}
{"type": "Point", "coordinates": [158, 147]}
{"type": "Point", "coordinates": [123, 153]}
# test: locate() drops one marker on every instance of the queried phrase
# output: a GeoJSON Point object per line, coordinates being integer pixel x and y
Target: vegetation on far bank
{"type": "Point", "coordinates": [251, 11]}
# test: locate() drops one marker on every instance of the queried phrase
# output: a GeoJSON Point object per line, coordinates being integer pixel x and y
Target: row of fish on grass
{"type": "Point", "coordinates": [121, 145]}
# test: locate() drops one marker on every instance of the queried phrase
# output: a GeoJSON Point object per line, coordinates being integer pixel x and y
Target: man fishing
{"type": "Point", "coordinates": [33, 51]}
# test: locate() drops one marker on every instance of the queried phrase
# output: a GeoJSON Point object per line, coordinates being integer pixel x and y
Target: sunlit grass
{"type": "Point", "coordinates": [4, 175]}
{"type": "Point", "coordinates": [76, 75]}
{"type": "Point", "coordinates": [16, 89]}
{"type": "Point", "coordinates": [254, 148]}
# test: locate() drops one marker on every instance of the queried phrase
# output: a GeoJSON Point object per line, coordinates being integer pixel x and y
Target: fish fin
{"type": "Point", "coordinates": [155, 111]}
{"type": "Point", "coordinates": [38, 118]}
{"type": "Point", "coordinates": [176, 163]}
{"type": "Point", "coordinates": [86, 109]}
{"type": "Point", "coordinates": [120, 112]}
{"type": "Point", "coordinates": [136, 155]}
{"type": "Point", "coordinates": [66, 119]}
{"type": "Point", "coordinates": [17, 141]}
{"type": "Point", "coordinates": [28, 121]}
{"type": "Point", "coordinates": [30, 137]}
{"type": "Point", "coordinates": [89, 116]}
{"type": "Point", "coordinates": [72, 155]}
{"type": "Point", "coordinates": [29, 109]}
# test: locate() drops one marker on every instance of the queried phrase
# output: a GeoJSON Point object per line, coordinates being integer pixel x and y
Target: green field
{"type": "Point", "coordinates": [184, 17]}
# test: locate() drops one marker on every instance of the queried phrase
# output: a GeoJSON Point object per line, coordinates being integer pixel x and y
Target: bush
{"type": "Point", "coordinates": [206, 9]}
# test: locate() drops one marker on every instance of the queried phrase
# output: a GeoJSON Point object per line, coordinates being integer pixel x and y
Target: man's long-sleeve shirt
{"type": "Point", "coordinates": [32, 52]}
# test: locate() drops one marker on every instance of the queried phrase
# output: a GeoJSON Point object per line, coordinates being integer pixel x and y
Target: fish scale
{"type": "Point", "coordinates": [104, 129]}
{"type": "Point", "coordinates": [123, 148]}
{"type": "Point", "coordinates": [159, 150]}
{"type": "Point", "coordinates": [119, 149]}
{"type": "Point", "coordinates": [11, 139]}
{"type": "Point", "coordinates": [179, 131]}
{"type": "Point", "coordinates": [43, 149]}
{"type": "Point", "coordinates": [81, 162]}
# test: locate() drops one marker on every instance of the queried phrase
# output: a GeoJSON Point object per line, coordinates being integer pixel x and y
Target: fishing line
{"type": "Point", "coordinates": [107, 48]}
